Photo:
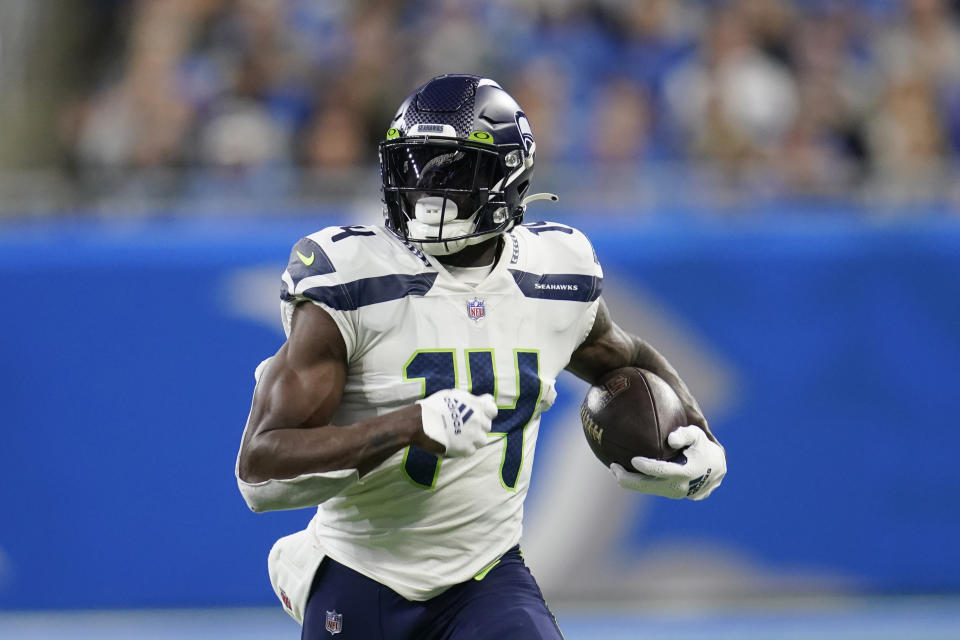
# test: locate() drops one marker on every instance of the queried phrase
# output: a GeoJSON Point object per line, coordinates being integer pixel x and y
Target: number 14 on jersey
{"type": "Point", "coordinates": [437, 370]}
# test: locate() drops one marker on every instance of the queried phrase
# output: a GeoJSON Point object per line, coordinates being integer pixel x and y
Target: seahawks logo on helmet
{"type": "Point", "coordinates": [525, 131]}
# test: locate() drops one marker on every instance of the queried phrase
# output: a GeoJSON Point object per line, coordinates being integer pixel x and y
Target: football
{"type": "Point", "coordinates": [630, 412]}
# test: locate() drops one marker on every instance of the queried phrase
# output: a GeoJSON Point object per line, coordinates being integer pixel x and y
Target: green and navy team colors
{"type": "Point", "coordinates": [420, 524]}
{"type": "Point", "coordinates": [501, 604]}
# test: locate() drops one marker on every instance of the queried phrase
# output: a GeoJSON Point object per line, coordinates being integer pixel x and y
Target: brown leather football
{"type": "Point", "coordinates": [630, 413]}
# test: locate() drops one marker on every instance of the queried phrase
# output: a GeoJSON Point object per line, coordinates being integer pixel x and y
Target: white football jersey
{"type": "Point", "coordinates": [419, 523]}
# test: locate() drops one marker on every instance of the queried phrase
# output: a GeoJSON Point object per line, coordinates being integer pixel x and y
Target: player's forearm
{"type": "Point", "coordinates": [303, 467]}
{"type": "Point", "coordinates": [642, 355]}
{"type": "Point", "coordinates": [609, 347]}
{"type": "Point", "coordinates": [282, 453]}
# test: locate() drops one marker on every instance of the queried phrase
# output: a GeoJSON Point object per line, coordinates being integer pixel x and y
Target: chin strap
{"type": "Point", "coordinates": [538, 196]}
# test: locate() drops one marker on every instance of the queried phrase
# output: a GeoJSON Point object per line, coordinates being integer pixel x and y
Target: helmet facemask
{"type": "Point", "coordinates": [446, 194]}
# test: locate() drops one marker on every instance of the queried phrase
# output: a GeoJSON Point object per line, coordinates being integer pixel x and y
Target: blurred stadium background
{"type": "Point", "coordinates": [771, 186]}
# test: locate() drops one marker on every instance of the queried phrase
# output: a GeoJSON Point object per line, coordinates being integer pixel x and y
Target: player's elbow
{"type": "Point", "coordinates": [251, 481]}
{"type": "Point", "coordinates": [252, 492]}
{"type": "Point", "coordinates": [269, 495]}
{"type": "Point", "coordinates": [309, 490]}
{"type": "Point", "coordinates": [259, 460]}
{"type": "Point", "coordinates": [254, 498]}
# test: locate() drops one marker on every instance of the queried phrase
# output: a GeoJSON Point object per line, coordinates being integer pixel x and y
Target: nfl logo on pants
{"type": "Point", "coordinates": [334, 622]}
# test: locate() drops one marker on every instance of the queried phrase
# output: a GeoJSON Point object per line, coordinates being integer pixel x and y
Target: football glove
{"type": "Point", "coordinates": [458, 420]}
{"type": "Point", "coordinates": [704, 469]}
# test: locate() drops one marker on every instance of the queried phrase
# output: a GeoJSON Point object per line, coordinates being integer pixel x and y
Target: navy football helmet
{"type": "Point", "coordinates": [456, 164]}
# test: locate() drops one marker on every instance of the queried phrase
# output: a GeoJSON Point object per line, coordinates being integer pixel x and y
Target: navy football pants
{"type": "Point", "coordinates": [505, 605]}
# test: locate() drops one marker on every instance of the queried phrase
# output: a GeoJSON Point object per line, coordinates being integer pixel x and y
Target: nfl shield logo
{"type": "Point", "coordinates": [475, 309]}
{"type": "Point", "coordinates": [334, 622]}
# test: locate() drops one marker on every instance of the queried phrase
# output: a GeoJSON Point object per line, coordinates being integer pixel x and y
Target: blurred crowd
{"type": "Point", "coordinates": [772, 96]}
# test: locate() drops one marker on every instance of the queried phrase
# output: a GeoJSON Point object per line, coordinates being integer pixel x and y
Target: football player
{"type": "Point", "coordinates": [406, 401]}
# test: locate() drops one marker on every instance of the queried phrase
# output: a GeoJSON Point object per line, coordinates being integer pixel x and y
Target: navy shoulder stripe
{"type": "Point", "coordinates": [308, 259]}
{"type": "Point", "coordinates": [558, 286]}
{"type": "Point", "coordinates": [366, 291]}
{"type": "Point", "coordinates": [541, 226]}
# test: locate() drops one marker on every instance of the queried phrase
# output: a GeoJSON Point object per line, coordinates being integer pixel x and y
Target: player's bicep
{"type": "Point", "coordinates": [609, 347]}
{"type": "Point", "coordinates": [606, 347]}
{"type": "Point", "coordinates": [303, 383]}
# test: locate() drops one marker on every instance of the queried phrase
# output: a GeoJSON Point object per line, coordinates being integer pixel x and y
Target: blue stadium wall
{"type": "Point", "coordinates": [127, 353]}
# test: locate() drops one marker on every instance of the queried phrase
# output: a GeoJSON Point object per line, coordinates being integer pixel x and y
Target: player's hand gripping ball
{"type": "Point", "coordinates": [630, 413]}
{"type": "Point", "coordinates": [633, 420]}
{"type": "Point", "coordinates": [704, 467]}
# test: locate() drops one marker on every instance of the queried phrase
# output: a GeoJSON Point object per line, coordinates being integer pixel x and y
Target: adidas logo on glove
{"type": "Point", "coordinates": [446, 417]}
{"type": "Point", "coordinates": [458, 415]}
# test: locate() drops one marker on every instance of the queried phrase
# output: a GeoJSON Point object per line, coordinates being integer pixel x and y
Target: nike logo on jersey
{"type": "Point", "coordinates": [305, 260]}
